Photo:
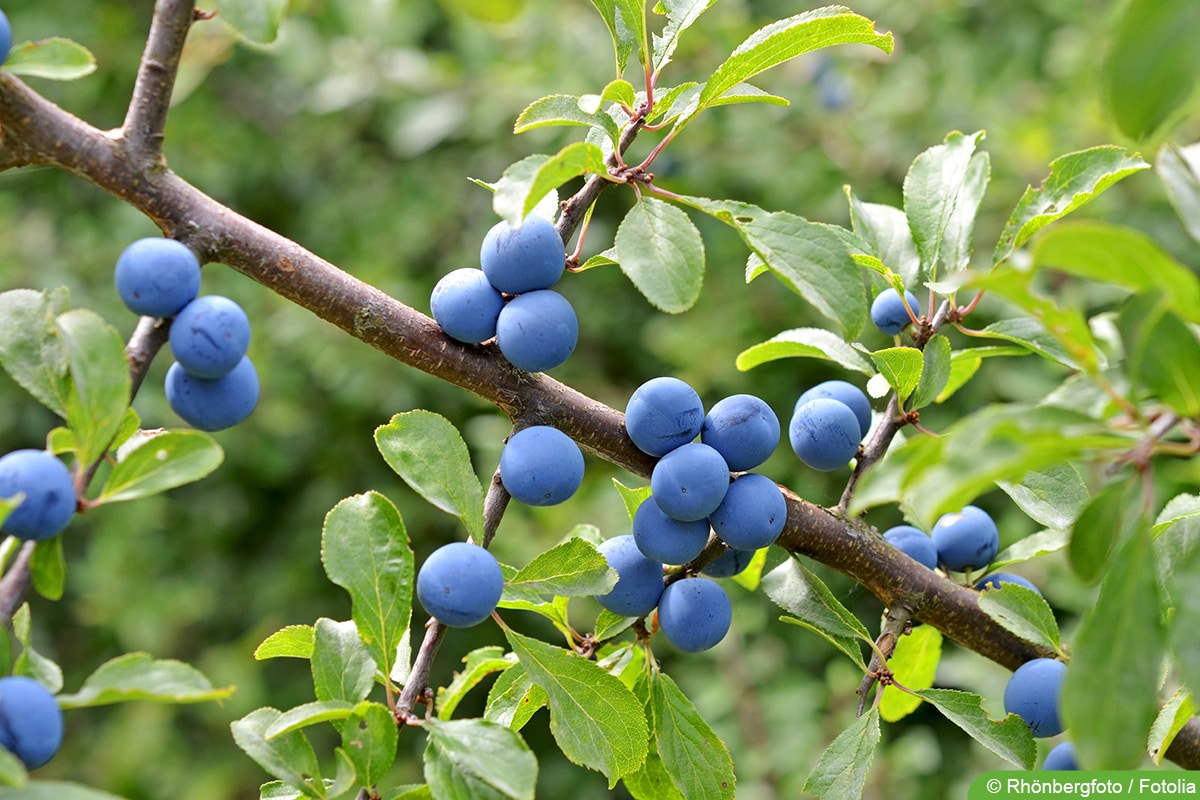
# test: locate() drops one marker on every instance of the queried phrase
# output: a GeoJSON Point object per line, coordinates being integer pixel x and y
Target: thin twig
{"type": "Point", "coordinates": [146, 117]}
{"type": "Point", "coordinates": [15, 584]}
{"type": "Point", "coordinates": [874, 449]}
{"type": "Point", "coordinates": [896, 622]}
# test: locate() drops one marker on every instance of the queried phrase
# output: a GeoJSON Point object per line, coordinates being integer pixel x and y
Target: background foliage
{"type": "Point", "coordinates": [354, 136]}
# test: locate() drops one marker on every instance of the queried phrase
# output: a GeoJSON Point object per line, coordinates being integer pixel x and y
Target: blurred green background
{"type": "Point", "coordinates": [354, 135]}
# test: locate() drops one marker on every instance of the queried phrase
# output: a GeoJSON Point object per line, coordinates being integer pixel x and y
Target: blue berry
{"type": "Point", "coordinates": [729, 563]}
{"type": "Point", "coordinates": [847, 393]}
{"type": "Point", "coordinates": [537, 331]}
{"type": "Point", "coordinates": [888, 311]}
{"type": "Point", "coordinates": [6, 37]}
{"type": "Point", "coordinates": [48, 489]}
{"type": "Point", "coordinates": [914, 543]}
{"type": "Point", "coordinates": [966, 540]}
{"type": "Point", "coordinates": [157, 277]}
{"type": "Point", "coordinates": [1061, 757]}
{"type": "Point", "coordinates": [694, 614]}
{"type": "Point", "coordinates": [1033, 694]}
{"type": "Point", "coordinates": [460, 584]}
{"type": "Point", "coordinates": [824, 434]}
{"type": "Point", "coordinates": [210, 336]}
{"type": "Point", "coordinates": [743, 429]}
{"type": "Point", "coordinates": [31, 723]}
{"type": "Point", "coordinates": [752, 514]}
{"type": "Point", "coordinates": [466, 306]}
{"type": "Point", "coordinates": [662, 414]}
{"type": "Point", "coordinates": [998, 580]}
{"type": "Point", "coordinates": [541, 466]}
{"type": "Point", "coordinates": [689, 482]}
{"type": "Point", "coordinates": [667, 540]}
{"type": "Point", "coordinates": [639, 582]}
{"type": "Point", "coordinates": [213, 404]}
{"type": "Point", "coordinates": [525, 258]}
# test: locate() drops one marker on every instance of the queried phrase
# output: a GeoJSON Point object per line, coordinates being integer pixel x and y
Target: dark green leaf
{"type": "Point", "coordinates": [1179, 169]}
{"type": "Point", "coordinates": [651, 782]}
{"type": "Point", "coordinates": [369, 740]}
{"type": "Point", "coordinates": [29, 349]}
{"type": "Point", "coordinates": [1160, 349]}
{"type": "Point", "coordinates": [55, 59]}
{"type": "Point", "coordinates": [1074, 180]}
{"type": "Point", "coordinates": [256, 20]}
{"type": "Point", "coordinates": [307, 715]}
{"type": "Point", "coordinates": [100, 382]}
{"type": "Point", "coordinates": [805, 343]}
{"type": "Point", "coordinates": [514, 698]}
{"type": "Point", "coordinates": [1053, 496]}
{"type": "Point", "coordinates": [595, 719]}
{"type": "Point", "coordinates": [692, 754]}
{"type": "Point", "coordinates": [478, 665]}
{"type": "Point", "coordinates": [901, 367]}
{"type": "Point", "coordinates": [1118, 652]}
{"type": "Point", "coordinates": [884, 229]}
{"type": "Point", "coordinates": [294, 641]}
{"type": "Point", "coordinates": [841, 772]}
{"type": "Point", "coordinates": [289, 758]}
{"type": "Point", "coordinates": [1031, 334]}
{"type": "Point", "coordinates": [1022, 611]}
{"type": "Point", "coordinates": [935, 373]}
{"type": "Point", "coordinates": [564, 109]}
{"type": "Point", "coordinates": [914, 664]}
{"type": "Point", "coordinates": [364, 547]}
{"type": "Point", "coordinates": [473, 759]}
{"type": "Point", "coordinates": [342, 668]}
{"type": "Point", "coordinates": [428, 452]}
{"type": "Point", "coordinates": [49, 568]}
{"type": "Point", "coordinates": [661, 252]}
{"type": "Point", "coordinates": [942, 191]}
{"type": "Point", "coordinates": [1111, 515]}
{"type": "Point", "coordinates": [160, 461]}
{"type": "Point", "coordinates": [138, 676]}
{"type": "Point", "coordinates": [1008, 738]}
{"type": "Point", "coordinates": [798, 591]}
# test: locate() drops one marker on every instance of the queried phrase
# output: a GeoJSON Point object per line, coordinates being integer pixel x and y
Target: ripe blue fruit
{"type": "Point", "coordinates": [1033, 694]}
{"type": "Point", "coordinates": [49, 490]}
{"type": "Point", "coordinates": [210, 335]}
{"type": "Point", "coordinates": [824, 433]}
{"type": "Point", "coordinates": [5, 37]}
{"type": "Point", "coordinates": [667, 540]}
{"type": "Point", "coordinates": [1061, 757]}
{"type": "Point", "coordinates": [967, 539]}
{"type": "Point", "coordinates": [157, 277]}
{"type": "Point", "coordinates": [541, 466]}
{"type": "Point", "coordinates": [689, 482]}
{"type": "Point", "coordinates": [537, 331]}
{"type": "Point", "coordinates": [914, 543]}
{"type": "Point", "coordinates": [743, 429]}
{"type": "Point", "coordinates": [31, 723]}
{"type": "Point", "coordinates": [847, 393]}
{"type": "Point", "coordinates": [213, 404]}
{"type": "Point", "coordinates": [888, 311]}
{"type": "Point", "coordinates": [639, 582]}
{"type": "Point", "coordinates": [460, 584]}
{"type": "Point", "coordinates": [729, 563]}
{"type": "Point", "coordinates": [752, 514]}
{"type": "Point", "coordinates": [466, 306]}
{"type": "Point", "coordinates": [524, 258]}
{"type": "Point", "coordinates": [662, 414]}
{"type": "Point", "coordinates": [998, 580]}
{"type": "Point", "coordinates": [694, 614]}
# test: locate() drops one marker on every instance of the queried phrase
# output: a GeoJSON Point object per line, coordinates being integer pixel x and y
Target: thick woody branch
{"type": "Point", "coordinates": [146, 118]}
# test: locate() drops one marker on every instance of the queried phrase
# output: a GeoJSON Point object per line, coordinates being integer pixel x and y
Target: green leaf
{"type": "Point", "coordinates": [1111, 515]}
{"type": "Point", "coordinates": [609, 624]}
{"type": "Point", "coordinates": [294, 641]}
{"type": "Point", "coordinates": [12, 771]}
{"type": "Point", "coordinates": [55, 59]}
{"type": "Point", "coordinates": [811, 259]}
{"type": "Point", "coordinates": [841, 772]}
{"type": "Point", "coordinates": [787, 38]}
{"type": "Point", "coordinates": [30, 662]}
{"type": "Point", "coordinates": [427, 451]}
{"type": "Point", "coordinates": [901, 367]}
{"type": "Point", "coordinates": [564, 109]}
{"type": "Point", "coordinates": [884, 230]}
{"type": "Point", "coordinates": [369, 740]}
{"type": "Point", "coordinates": [805, 343]}
{"type": "Point", "coordinates": [572, 569]}
{"type": "Point", "coordinates": [289, 758]}
{"type": "Point", "coordinates": [632, 498]}
{"type": "Point", "coordinates": [100, 382]}
{"type": "Point", "coordinates": [1053, 496]}
{"type": "Point", "coordinates": [307, 715]}
{"type": "Point", "coordinates": [479, 664]}
{"type": "Point", "coordinates": [29, 349]}
{"type": "Point", "coordinates": [1126, 612]}
{"type": "Point", "coordinates": [159, 461]}
{"type": "Point", "coordinates": [681, 14]}
{"type": "Point", "coordinates": [651, 782]}
{"type": "Point", "coordinates": [692, 754]}
{"type": "Point", "coordinates": [748, 93]}
{"type": "Point", "coordinates": [1178, 556]}
{"type": "Point", "coordinates": [255, 20]}
{"type": "Point", "coordinates": [1159, 351]}
{"type": "Point", "coordinates": [57, 790]}
{"type": "Point", "coordinates": [1032, 546]}
{"type": "Point", "coordinates": [1169, 722]}
{"type": "Point", "coordinates": [514, 698]}
{"type": "Point", "coordinates": [49, 568]}
{"type": "Point", "coordinates": [1120, 256]}
{"type": "Point", "coordinates": [942, 191]}
{"type": "Point", "coordinates": [1179, 169]}
{"type": "Point", "coordinates": [626, 21]}
{"type": "Point", "coordinates": [596, 720]}
{"type": "Point", "coordinates": [965, 363]}
{"type": "Point", "coordinates": [473, 759]}
{"type": "Point", "coordinates": [661, 252]}
{"type": "Point", "coordinates": [795, 589]}
{"type": "Point", "coordinates": [935, 372]}
{"type": "Point", "coordinates": [139, 676]}
{"type": "Point", "coordinates": [1008, 738]}
{"type": "Point", "coordinates": [1074, 180]}
{"type": "Point", "coordinates": [523, 185]}
{"type": "Point", "coordinates": [1024, 612]}
{"type": "Point", "coordinates": [364, 548]}
{"type": "Point", "coordinates": [914, 664]}
{"type": "Point", "coordinates": [342, 668]}
{"type": "Point", "coordinates": [1150, 70]}
{"type": "Point", "coordinates": [1030, 334]}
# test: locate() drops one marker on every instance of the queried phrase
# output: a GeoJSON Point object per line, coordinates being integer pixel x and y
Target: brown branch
{"type": "Point", "coordinates": [15, 584]}
{"type": "Point", "coordinates": [146, 118]}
